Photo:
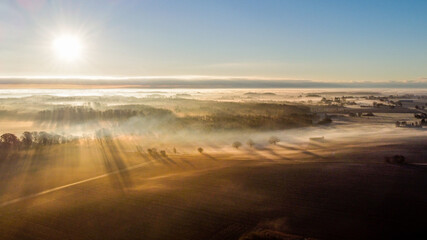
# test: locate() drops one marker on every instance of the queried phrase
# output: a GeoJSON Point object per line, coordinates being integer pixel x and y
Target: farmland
{"type": "Point", "coordinates": [130, 177]}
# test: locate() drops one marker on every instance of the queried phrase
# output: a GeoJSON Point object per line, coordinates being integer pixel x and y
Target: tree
{"type": "Point", "coordinates": [9, 140]}
{"type": "Point", "coordinates": [273, 140]}
{"type": "Point", "coordinates": [375, 104]}
{"type": "Point", "coordinates": [200, 150]}
{"type": "Point", "coordinates": [27, 139]}
{"type": "Point", "coordinates": [55, 139]}
{"type": "Point", "coordinates": [237, 144]}
{"type": "Point", "coordinates": [44, 138]}
{"type": "Point", "coordinates": [35, 136]}
{"type": "Point", "coordinates": [250, 143]}
{"type": "Point", "coordinates": [63, 139]}
{"type": "Point", "coordinates": [163, 153]}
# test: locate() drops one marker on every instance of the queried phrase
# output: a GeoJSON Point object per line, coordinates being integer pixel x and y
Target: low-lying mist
{"type": "Point", "coordinates": [191, 117]}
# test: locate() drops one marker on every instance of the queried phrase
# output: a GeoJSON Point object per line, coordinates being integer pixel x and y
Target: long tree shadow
{"type": "Point", "coordinates": [10, 167]}
{"type": "Point", "coordinates": [108, 165]}
{"type": "Point", "coordinates": [300, 150]}
{"type": "Point", "coordinates": [253, 152]}
{"type": "Point", "coordinates": [182, 160]}
{"type": "Point", "coordinates": [188, 163]}
{"type": "Point", "coordinates": [209, 156]}
{"type": "Point", "coordinates": [153, 153]}
{"type": "Point", "coordinates": [34, 162]}
{"type": "Point", "coordinates": [144, 155]}
{"type": "Point", "coordinates": [168, 159]}
{"type": "Point", "coordinates": [272, 152]}
{"type": "Point", "coordinates": [161, 158]}
{"type": "Point", "coordinates": [114, 162]}
{"type": "Point", "coordinates": [315, 144]}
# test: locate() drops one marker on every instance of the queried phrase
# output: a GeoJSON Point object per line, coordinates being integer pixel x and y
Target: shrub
{"type": "Point", "coordinates": [273, 140]}
{"type": "Point", "coordinates": [237, 144]}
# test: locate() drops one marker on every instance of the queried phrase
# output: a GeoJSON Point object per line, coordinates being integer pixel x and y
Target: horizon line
{"type": "Point", "coordinates": [194, 77]}
{"type": "Point", "coordinates": [192, 81]}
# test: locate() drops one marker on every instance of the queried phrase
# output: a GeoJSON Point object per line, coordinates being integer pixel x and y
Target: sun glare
{"type": "Point", "coordinates": [67, 47]}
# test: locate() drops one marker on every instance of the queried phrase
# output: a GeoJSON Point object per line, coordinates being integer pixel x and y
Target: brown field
{"type": "Point", "coordinates": [330, 190]}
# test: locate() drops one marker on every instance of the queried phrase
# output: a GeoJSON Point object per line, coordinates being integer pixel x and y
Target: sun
{"type": "Point", "coordinates": [67, 47]}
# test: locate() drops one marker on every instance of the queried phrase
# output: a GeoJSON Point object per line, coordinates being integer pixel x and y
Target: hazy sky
{"type": "Point", "coordinates": [301, 39]}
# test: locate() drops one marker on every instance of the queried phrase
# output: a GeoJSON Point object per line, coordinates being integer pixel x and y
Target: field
{"type": "Point", "coordinates": [247, 164]}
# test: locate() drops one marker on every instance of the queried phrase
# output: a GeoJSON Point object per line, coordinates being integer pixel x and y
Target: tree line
{"type": "Point", "coordinates": [237, 121]}
{"type": "Point", "coordinates": [32, 139]}
{"type": "Point", "coordinates": [82, 114]}
{"type": "Point", "coordinates": [225, 120]}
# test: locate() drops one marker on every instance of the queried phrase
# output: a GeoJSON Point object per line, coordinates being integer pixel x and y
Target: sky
{"type": "Point", "coordinates": [338, 41]}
